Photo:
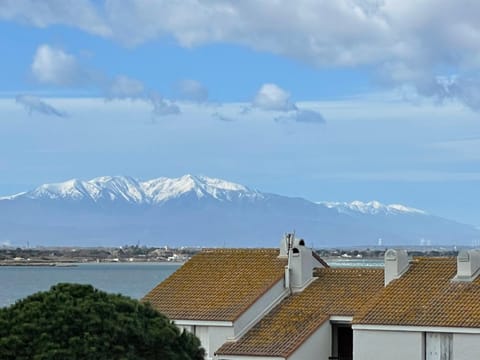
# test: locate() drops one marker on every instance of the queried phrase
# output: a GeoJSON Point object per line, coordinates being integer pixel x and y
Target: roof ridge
{"type": "Point", "coordinates": [433, 258]}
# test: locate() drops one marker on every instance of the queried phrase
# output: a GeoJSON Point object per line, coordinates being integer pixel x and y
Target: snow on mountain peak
{"type": "Point", "coordinates": [72, 189]}
{"type": "Point", "coordinates": [147, 192]}
{"type": "Point", "coordinates": [371, 207]}
{"type": "Point", "coordinates": [162, 189]}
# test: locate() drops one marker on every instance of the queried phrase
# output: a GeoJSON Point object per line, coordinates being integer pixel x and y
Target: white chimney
{"type": "Point", "coordinates": [300, 265]}
{"type": "Point", "coordinates": [468, 265]}
{"type": "Point", "coordinates": [396, 263]}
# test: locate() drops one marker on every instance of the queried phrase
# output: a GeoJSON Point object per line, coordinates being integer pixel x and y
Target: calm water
{"type": "Point", "coordinates": [369, 263]}
{"type": "Point", "coordinates": [131, 279]}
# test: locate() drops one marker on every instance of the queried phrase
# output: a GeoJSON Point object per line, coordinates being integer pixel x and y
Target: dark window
{"type": "Point", "coordinates": [342, 341]}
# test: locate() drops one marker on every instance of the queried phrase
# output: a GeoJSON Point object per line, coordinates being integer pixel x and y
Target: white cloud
{"type": "Point", "coordinates": [192, 90]}
{"type": "Point", "coordinates": [405, 43]}
{"type": "Point", "coordinates": [54, 66]}
{"type": "Point", "coordinates": [35, 104]}
{"type": "Point", "coordinates": [77, 13]}
{"type": "Point", "coordinates": [273, 97]}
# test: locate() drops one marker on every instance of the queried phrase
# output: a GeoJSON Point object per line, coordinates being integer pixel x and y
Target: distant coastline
{"type": "Point", "coordinates": [70, 257]}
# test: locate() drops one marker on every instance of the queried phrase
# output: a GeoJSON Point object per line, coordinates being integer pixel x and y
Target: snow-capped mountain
{"type": "Point", "coordinates": [202, 211]}
{"type": "Point", "coordinates": [371, 208]}
{"type": "Point", "coordinates": [127, 189]}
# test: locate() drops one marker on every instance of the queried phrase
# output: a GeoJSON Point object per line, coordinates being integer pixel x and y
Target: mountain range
{"type": "Point", "coordinates": [202, 211]}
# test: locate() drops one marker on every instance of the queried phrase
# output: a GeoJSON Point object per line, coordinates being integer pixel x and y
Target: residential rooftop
{"type": "Point", "coordinates": [426, 295]}
{"type": "Point", "coordinates": [334, 292]}
{"type": "Point", "coordinates": [218, 284]}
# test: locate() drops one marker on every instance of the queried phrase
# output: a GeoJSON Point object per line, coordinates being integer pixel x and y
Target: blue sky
{"type": "Point", "coordinates": [329, 100]}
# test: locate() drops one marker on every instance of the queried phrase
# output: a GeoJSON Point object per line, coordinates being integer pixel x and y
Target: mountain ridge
{"type": "Point", "coordinates": [202, 211]}
{"type": "Point", "coordinates": [157, 190]}
{"type": "Point", "coordinates": [151, 191]}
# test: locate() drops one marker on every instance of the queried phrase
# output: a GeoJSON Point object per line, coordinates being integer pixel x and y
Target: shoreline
{"type": "Point", "coordinates": [76, 264]}
{"type": "Point", "coordinates": [38, 264]}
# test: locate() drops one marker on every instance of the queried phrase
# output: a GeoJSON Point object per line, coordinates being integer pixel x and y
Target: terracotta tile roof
{"type": "Point", "coordinates": [217, 285]}
{"type": "Point", "coordinates": [337, 291]}
{"type": "Point", "coordinates": [426, 296]}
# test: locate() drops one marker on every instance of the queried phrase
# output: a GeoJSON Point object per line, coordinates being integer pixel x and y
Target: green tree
{"type": "Point", "coordinates": [72, 321]}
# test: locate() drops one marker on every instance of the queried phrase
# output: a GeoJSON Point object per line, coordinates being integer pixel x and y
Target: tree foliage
{"type": "Point", "coordinates": [72, 321]}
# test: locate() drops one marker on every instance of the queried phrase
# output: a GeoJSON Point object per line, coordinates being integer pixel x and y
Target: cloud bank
{"type": "Point", "coordinates": [82, 14]}
{"type": "Point", "coordinates": [403, 43]}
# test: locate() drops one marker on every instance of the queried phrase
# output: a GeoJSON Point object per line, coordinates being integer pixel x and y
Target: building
{"type": "Point", "coordinates": [270, 304]}
{"type": "Point", "coordinates": [428, 310]}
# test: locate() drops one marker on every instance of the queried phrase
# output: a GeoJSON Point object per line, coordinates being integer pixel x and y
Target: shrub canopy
{"type": "Point", "coordinates": [72, 321]}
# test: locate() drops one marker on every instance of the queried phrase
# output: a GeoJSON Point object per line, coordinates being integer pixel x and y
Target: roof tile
{"type": "Point", "coordinates": [426, 296]}
{"type": "Point", "coordinates": [336, 291]}
{"type": "Point", "coordinates": [218, 284]}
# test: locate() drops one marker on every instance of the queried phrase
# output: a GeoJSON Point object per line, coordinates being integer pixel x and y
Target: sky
{"type": "Point", "coordinates": [329, 100]}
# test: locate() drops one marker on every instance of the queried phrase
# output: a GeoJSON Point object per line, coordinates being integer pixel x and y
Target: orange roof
{"type": "Point", "coordinates": [426, 296]}
{"type": "Point", "coordinates": [337, 291]}
{"type": "Point", "coordinates": [217, 285]}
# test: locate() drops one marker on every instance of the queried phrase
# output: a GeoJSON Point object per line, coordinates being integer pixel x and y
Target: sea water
{"type": "Point", "coordinates": [130, 279]}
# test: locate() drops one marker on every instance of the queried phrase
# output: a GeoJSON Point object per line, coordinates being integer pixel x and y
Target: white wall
{"type": "Point", "coordinates": [391, 345]}
{"type": "Point", "coordinates": [203, 334]}
{"type": "Point", "coordinates": [217, 336]}
{"type": "Point", "coordinates": [317, 347]}
{"type": "Point", "coordinates": [264, 304]}
{"type": "Point", "coordinates": [466, 346]}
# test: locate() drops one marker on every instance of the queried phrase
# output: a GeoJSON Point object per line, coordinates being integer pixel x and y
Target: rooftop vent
{"type": "Point", "coordinates": [468, 265]}
{"type": "Point", "coordinates": [396, 263]}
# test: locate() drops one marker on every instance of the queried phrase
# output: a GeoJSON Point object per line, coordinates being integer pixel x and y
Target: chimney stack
{"type": "Point", "coordinates": [396, 263]}
{"type": "Point", "coordinates": [300, 261]}
{"type": "Point", "coordinates": [468, 265]}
